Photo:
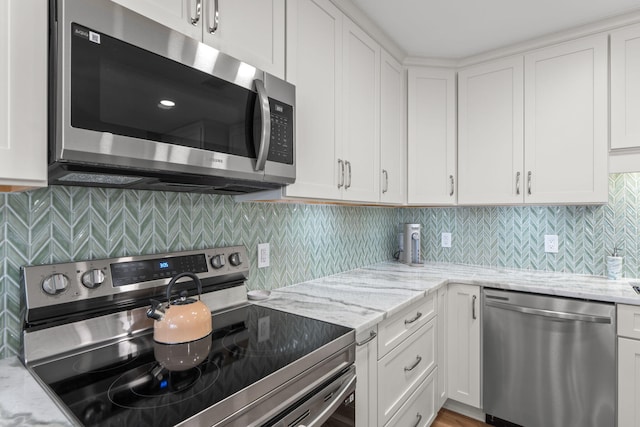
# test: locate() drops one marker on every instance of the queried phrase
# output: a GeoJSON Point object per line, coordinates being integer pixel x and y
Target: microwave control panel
{"type": "Point", "coordinates": [281, 147]}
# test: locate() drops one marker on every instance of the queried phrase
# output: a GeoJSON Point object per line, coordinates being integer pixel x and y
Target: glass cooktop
{"type": "Point", "coordinates": [140, 382]}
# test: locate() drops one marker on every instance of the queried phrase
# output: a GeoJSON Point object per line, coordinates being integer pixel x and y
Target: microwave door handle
{"type": "Point", "coordinates": [265, 133]}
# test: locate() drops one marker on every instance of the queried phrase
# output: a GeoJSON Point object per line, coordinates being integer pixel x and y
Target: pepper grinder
{"type": "Point", "coordinates": [614, 265]}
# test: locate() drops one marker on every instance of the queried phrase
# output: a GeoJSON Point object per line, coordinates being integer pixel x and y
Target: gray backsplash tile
{"type": "Point", "coordinates": [59, 224]}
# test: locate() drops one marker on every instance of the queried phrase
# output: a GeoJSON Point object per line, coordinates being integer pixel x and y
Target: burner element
{"type": "Point", "coordinates": [153, 386]}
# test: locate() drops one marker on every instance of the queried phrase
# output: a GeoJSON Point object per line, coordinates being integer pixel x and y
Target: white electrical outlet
{"type": "Point", "coordinates": [263, 255]}
{"type": "Point", "coordinates": [446, 240]}
{"type": "Point", "coordinates": [551, 243]}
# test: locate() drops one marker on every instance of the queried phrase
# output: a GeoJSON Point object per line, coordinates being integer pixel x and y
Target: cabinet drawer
{"type": "Point", "coordinates": [420, 408]}
{"type": "Point", "coordinates": [629, 321]}
{"type": "Point", "coordinates": [404, 368]}
{"type": "Point", "coordinates": [397, 328]}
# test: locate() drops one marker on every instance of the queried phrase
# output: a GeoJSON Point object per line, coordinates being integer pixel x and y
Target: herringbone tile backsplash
{"type": "Point", "coordinates": [59, 224]}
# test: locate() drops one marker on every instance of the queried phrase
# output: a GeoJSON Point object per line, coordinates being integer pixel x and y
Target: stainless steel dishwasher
{"type": "Point", "coordinates": [548, 361]}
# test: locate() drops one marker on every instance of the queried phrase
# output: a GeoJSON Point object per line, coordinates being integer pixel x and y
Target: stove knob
{"type": "Point", "coordinates": [217, 261]}
{"type": "Point", "coordinates": [235, 259]}
{"type": "Point", "coordinates": [93, 278]}
{"type": "Point", "coordinates": [55, 284]}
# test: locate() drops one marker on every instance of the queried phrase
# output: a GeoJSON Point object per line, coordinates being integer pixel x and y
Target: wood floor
{"type": "Point", "coordinates": [448, 418]}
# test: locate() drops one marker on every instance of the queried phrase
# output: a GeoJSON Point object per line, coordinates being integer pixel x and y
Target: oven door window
{"type": "Point", "coordinates": [122, 89]}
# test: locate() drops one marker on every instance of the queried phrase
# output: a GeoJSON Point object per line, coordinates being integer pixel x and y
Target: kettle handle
{"type": "Point", "coordinates": [180, 276]}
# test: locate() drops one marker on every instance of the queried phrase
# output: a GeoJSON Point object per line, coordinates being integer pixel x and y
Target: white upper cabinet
{"type": "Point", "coordinates": [23, 94]}
{"type": "Point", "coordinates": [558, 153]}
{"type": "Point", "coordinates": [314, 65]}
{"type": "Point", "coordinates": [361, 103]}
{"type": "Point", "coordinates": [566, 122]}
{"type": "Point", "coordinates": [252, 31]}
{"type": "Point", "coordinates": [625, 88]}
{"type": "Point", "coordinates": [490, 133]}
{"type": "Point", "coordinates": [393, 145]}
{"type": "Point", "coordinates": [431, 145]}
{"type": "Point", "coordinates": [336, 69]}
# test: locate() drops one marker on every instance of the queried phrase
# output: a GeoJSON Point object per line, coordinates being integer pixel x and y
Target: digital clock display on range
{"type": "Point", "coordinates": [127, 273]}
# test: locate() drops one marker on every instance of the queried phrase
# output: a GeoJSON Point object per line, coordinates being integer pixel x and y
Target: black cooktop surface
{"type": "Point", "coordinates": [140, 382]}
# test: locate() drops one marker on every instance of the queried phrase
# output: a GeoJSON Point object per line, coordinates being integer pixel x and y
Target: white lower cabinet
{"type": "Point", "coordinates": [396, 366]}
{"type": "Point", "coordinates": [421, 408]}
{"type": "Point", "coordinates": [463, 346]}
{"type": "Point", "coordinates": [628, 383]}
{"type": "Point", "coordinates": [628, 365]}
{"type": "Point", "coordinates": [441, 387]}
{"type": "Point", "coordinates": [367, 374]}
{"type": "Point", "coordinates": [404, 368]}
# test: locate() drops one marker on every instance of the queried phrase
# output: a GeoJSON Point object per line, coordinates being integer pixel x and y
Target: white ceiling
{"type": "Point", "coordinates": [460, 28]}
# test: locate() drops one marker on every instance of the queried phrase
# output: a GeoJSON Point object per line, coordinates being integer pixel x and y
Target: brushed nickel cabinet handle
{"type": "Point", "coordinates": [452, 185]}
{"type": "Point", "coordinates": [529, 182]}
{"type": "Point", "coordinates": [216, 18]}
{"type": "Point", "coordinates": [196, 19]}
{"type": "Point", "coordinates": [473, 307]}
{"type": "Point", "coordinates": [518, 183]}
{"type": "Point", "coordinates": [417, 316]}
{"type": "Point", "coordinates": [419, 416]}
{"type": "Point", "coordinates": [348, 165]}
{"type": "Point", "coordinates": [412, 367]}
{"type": "Point", "coordinates": [372, 335]}
{"type": "Point", "coordinates": [386, 181]}
{"type": "Point", "coordinates": [341, 164]}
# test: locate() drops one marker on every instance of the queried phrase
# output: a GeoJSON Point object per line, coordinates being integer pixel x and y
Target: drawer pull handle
{"type": "Point", "coordinates": [419, 416]}
{"type": "Point", "coordinates": [412, 367]}
{"type": "Point", "coordinates": [410, 321]}
{"type": "Point", "coordinates": [372, 335]}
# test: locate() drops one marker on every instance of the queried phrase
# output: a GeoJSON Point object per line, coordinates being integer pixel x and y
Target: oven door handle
{"type": "Point", "coordinates": [265, 132]}
{"type": "Point", "coordinates": [334, 402]}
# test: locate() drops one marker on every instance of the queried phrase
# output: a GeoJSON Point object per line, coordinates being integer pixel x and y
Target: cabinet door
{"type": "Point", "coordinates": [393, 146]}
{"type": "Point", "coordinates": [566, 123]}
{"type": "Point", "coordinates": [367, 372]}
{"type": "Point", "coordinates": [491, 133]}
{"type": "Point", "coordinates": [361, 103]}
{"type": "Point", "coordinates": [252, 31]}
{"type": "Point", "coordinates": [625, 87]}
{"type": "Point", "coordinates": [463, 325]}
{"type": "Point", "coordinates": [314, 65]}
{"type": "Point", "coordinates": [431, 145]}
{"type": "Point", "coordinates": [628, 383]}
{"type": "Point", "coordinates": [180, 15]}
{"type": "Point", "coordinates": [23, 94]}
{"type": "Point", "coordinates": [441, 386]}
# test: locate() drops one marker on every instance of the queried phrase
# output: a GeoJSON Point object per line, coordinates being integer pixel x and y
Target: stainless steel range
{"type": "Point", "coordinates": [87, 339]}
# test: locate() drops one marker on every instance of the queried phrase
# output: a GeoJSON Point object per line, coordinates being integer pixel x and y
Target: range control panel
{"type": "Point", "coordinates": [54, 284]}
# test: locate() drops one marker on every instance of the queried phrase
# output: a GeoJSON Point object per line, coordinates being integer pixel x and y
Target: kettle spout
{"type": "Point", "coordinates": [155, 311]}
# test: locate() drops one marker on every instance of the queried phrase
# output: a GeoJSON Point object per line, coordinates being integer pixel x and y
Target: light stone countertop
{"type": "Point", "coordinates": [359, 299]}
{"type": "Point", "coordinates": [23, 402]}
{"type": "Point", "coordinates": [363, 297]}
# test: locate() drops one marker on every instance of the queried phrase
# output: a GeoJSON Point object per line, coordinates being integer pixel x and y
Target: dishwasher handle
{"type": "Point", "coordinates": [559, 315]}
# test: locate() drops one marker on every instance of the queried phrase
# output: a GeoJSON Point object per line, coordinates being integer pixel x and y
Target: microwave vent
{"type": "Point", "coordinates": [92, 178]}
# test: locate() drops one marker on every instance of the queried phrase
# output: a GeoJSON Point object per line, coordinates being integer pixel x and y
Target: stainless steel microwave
{"type": "Point", "coordinates": [134, 104]}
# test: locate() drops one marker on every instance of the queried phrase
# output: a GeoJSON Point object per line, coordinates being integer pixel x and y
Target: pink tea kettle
{"type": "Point", "coordinates": [183, 319]}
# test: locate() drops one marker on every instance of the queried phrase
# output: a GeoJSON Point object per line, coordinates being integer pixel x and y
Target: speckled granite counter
{"type": "Point", "coordinates": [359, 299]}
{"type": "Point", "coordinates": [362, 298]}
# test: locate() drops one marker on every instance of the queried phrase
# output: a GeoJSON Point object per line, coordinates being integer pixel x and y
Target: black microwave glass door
{"type": "Point", "coordinates": [125, 90]}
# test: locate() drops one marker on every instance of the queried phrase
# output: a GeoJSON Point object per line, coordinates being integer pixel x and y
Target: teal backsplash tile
{"type": "Point", "coordinates": [307, 241]}
{"type": "Point", "coordinates": [60, 224]}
